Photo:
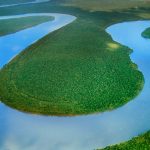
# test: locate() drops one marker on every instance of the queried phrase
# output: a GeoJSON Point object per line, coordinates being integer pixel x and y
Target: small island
{"type": "Point", "coordinates": [146, 33]}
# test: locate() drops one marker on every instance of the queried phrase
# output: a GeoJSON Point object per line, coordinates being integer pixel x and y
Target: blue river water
{"type": "Point", "coordinates": [21, 131]}
{"type": "Point", "coordinates": [14, 43]}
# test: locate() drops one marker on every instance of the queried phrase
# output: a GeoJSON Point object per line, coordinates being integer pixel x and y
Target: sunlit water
{"type": "Point", "coordinates": [20, 131]}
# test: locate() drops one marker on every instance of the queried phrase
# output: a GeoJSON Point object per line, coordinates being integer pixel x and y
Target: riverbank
{"type": "Point", "coordinates": [14, 25]}
{"type": "Point", "coordinates": [142, 143]}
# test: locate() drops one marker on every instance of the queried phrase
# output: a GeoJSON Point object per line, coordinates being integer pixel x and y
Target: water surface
{"type": "Point", "coordinates": [20, 131]}
{"type": "Point", "coordinates": [13, 44]}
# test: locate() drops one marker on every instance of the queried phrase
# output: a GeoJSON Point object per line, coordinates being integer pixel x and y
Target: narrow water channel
{"type": "Point", "coordinates": [25, 3]}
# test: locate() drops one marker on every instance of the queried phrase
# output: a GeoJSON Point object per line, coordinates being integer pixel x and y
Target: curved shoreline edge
{"type": "Point", "coordinates": [103, 116]}
{"type": "Point", "coordinates": [119, 121]}
{"type": "Point", "coordinates": [60, 20]}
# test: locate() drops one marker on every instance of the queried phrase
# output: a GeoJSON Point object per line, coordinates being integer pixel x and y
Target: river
{"type": "Point", "coordinates": [21, 131]}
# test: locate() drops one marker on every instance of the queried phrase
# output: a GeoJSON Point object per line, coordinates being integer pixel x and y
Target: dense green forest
{"type": "Point", "coordinates": [105, 5]}
{"type": "Point", "coordinates": [78, 69]}
{"type": "Point", "coordinates": [139, 143]}
{"type": "Point", "coordinates": [13, 25]}
{"type": "Point", "coordinates": [75, 70]}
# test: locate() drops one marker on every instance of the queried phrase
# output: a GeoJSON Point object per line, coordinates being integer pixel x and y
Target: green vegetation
{"type": "Point", "coordinates": [75, 70]}
{"type": "Point", "coordinates": [106, 5]}
{"type": "Point", "coordinates": [7, 2]}
{"type": "Point", "coordinates": [139, 143]}
{"type": "Point", "coordinates": [146, 33]}
{"type": "Point", "coordinates": [13, 25]}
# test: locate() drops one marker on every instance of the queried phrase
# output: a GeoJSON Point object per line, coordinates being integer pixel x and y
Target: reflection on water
{"type": "Point", "coordinates": [20, 131]}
